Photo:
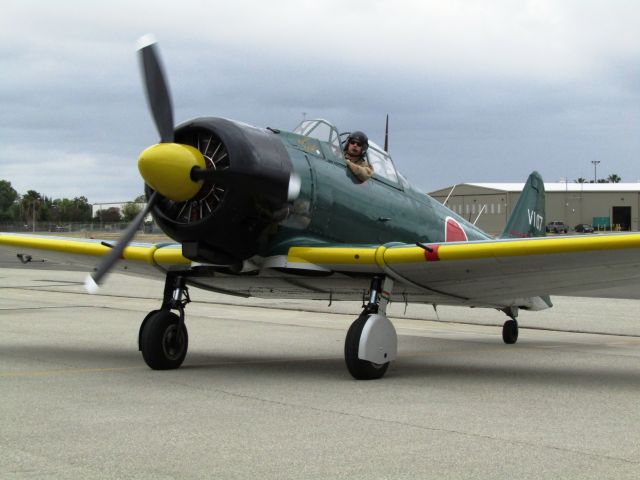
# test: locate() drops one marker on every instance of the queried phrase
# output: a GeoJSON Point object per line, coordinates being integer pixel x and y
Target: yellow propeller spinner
{"type": "Point", "coordinates": [166, 167]}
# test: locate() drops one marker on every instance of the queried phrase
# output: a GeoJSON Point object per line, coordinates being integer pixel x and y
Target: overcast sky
{"type": "Point", "coordinates": [477, 91]}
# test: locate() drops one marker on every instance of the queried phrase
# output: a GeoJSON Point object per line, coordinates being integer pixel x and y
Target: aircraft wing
{"type": "Point", "coordinates": [496, 272]}
{"type": "Point", "coordinates": [82, 253]}
{"type": "Point", "coordinates": [489, 273]}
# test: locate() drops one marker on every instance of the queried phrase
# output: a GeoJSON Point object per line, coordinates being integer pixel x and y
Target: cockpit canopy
{"type": "Point", "coordinates": [380, 160]}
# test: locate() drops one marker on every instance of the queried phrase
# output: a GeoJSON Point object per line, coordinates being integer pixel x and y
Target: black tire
{"type": "Point", "coordinates": [142, 325]}
{"type": "Point", "coordinates": [360, 369]}
{"type": "Point", "coordinates": [162, 346]}
{"type": "Point", "coordinates": [510, 332]}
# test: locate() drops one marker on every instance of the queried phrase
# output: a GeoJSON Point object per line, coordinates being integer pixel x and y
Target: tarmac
{"type": "Point", "coordinates": [264, 392]}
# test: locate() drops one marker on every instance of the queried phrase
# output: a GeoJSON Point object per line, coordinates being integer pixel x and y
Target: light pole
{"type": "Point", "coordinates": [595, 169]}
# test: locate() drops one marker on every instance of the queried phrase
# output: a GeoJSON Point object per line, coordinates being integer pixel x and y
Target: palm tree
{"type": "Point", "coordinates": [31, 205]}
{"type": "Point", "coordinates": [581, 180]}
{"type": "Point", "coordinates": [613, 178]}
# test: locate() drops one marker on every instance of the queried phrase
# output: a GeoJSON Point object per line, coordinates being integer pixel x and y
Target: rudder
{"type": "Point", "coordinates": [528, 216]}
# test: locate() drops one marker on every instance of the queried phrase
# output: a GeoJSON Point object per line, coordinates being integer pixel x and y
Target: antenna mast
{"type": "Point", "coordinates": [386, 135]}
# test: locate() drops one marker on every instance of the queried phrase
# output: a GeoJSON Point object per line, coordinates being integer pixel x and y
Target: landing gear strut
{"type": "Point", "coordinates": [163, 338]}
{"type": "Point", "coordinates": [371, 342]}
{"type": "Point", "coordinates": [510, 327]}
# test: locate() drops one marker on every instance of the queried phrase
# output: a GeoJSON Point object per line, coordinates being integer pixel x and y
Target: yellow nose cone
{"type": "Point", "coordinates": [166, 167]}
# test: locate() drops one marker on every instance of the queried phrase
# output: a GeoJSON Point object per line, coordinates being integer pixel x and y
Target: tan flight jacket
{"type": "Point", "coordinates": [360, 167]}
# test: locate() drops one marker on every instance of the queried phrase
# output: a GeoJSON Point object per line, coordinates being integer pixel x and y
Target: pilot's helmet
{"type": "Point", "coordinates": [360, 137]}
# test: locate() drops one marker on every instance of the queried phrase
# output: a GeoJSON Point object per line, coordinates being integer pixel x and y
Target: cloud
{"type": "Point", "coordinates": [476, 90]}
{"type": "Point", "coordinates": [63, 174]}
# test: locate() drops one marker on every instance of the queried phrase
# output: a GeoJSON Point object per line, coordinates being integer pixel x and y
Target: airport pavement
{"type": "Point", "coordinates": [264, 392]}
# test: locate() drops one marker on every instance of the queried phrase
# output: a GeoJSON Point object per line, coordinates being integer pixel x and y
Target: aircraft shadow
{"type": "Point", "coordinates": [588, 375]}
{"type": "Point", "coordinates": [65, 358]}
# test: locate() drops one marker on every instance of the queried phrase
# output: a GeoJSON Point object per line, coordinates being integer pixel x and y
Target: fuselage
{"type": "Point", "coordinates": [245, 205]}
{"type": "Point", "coordinates": [335, 207]}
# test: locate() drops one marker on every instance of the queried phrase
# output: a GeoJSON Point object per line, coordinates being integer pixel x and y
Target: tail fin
{"type": "Point", "coordinates": [528, 216]}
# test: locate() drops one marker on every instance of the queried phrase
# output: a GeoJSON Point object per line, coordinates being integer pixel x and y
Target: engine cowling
{"type": "Point", "coordinates": [225, 221]}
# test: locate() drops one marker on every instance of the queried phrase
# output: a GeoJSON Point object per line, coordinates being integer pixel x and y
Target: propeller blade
{"type": "Point", "coordinates": [93, 280]}
{"type": "Point", "coordinates": [156, 88]}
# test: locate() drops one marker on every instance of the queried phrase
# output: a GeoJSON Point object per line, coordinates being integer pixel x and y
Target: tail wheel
{"type": "Point", "coordinates": [510, 332]}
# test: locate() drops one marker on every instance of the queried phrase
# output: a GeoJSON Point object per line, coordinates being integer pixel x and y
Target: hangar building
{"type": "Point", "coordinates": [606, 206]}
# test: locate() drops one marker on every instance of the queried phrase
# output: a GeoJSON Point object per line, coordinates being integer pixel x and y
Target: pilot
{"type": "Point", "coordinates": [354, 154]}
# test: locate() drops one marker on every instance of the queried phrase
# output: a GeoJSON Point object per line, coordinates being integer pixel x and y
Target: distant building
{"type": "Point", "coordinates": [607, 206]}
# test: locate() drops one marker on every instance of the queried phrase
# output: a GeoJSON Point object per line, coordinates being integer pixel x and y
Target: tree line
{"type": "Point", "coordinates": [32, 205]}
{"type": "Point", "coordinates": [613, 178]}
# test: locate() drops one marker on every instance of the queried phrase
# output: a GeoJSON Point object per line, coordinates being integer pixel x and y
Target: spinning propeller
{"type": "Point", "coordinates": [166, 167]}
{"type": "Point", "coordinates": [159, 101]}
{"type": "Point", "coordinates": [174, 171]}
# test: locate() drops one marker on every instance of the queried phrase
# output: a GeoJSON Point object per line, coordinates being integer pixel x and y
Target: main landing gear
{"type": "Point", "coordinates": [370, 346]}
{"type": "Point", "coordinates": [510, 327]}
{"type": "Point", "coordinates": [372, 342]}
{"type": "Point", "coordinates": [163, 338]}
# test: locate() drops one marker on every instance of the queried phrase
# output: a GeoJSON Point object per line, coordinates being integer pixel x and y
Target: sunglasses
{"type": "Point", "coordinates": [355, 142]}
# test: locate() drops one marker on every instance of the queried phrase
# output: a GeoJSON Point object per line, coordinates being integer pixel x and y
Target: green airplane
{"type": "Point", "coordinates": [263, 212]}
